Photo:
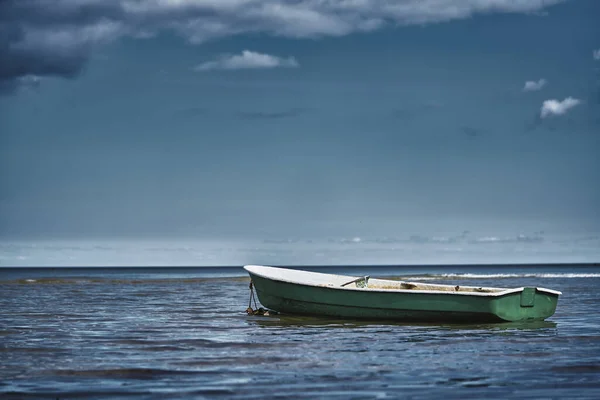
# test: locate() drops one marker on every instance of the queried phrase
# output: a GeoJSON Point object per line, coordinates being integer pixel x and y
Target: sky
{"type": "Point", "coordinates": [203, 132]}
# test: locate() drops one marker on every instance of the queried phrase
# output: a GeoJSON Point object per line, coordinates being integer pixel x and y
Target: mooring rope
{"type": "Point", "coordinates": [252, 298]}
{"type": "Point", "coordinates": [256, 310]}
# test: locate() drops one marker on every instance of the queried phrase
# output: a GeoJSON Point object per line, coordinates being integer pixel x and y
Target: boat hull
{"type": "Point", "coordinates": [293, 298]}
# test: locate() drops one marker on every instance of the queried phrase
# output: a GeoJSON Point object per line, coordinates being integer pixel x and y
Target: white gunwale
{"type": "Point", "coordinates": [332, 281]}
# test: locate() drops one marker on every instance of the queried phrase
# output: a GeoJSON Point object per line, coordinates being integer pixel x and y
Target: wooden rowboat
{"type": "Point", "coordinates": [302, 292]}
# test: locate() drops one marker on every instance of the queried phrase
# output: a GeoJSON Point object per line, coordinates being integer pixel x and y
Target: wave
{"type": "Point", "coordinates": [504, 276]}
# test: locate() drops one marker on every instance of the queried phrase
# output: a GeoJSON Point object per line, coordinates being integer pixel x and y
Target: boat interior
{"type": "Point", "coordinates": [366, 282]}
{"type": "Point", "coordinates": [381, 284]}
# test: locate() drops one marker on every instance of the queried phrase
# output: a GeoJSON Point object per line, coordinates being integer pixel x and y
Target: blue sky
{"type": "Point", "coordinates": [324, 123]}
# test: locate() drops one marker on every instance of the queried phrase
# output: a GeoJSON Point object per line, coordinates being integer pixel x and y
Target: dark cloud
{"type": "Point", "coordinates": [471, 132]}
{"type": "Point", "coordinates": [27, 81]}
{"type": "Point", "coordinates": [55, 37]}
{"type": "Point", "coordinates": [42, 38]}
{"type": "Point", "coordinates": [48, 13]}
{"type": "Point", "coordinates": [7, 87]}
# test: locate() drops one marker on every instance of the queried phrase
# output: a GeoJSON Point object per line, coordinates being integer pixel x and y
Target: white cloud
{"type": "Point", "coordinates": [201, 20]}
{"type": "Point", "coordinates": [596, 54]}
{"type": "Point", "coordinates": [556, 107]}
{"type": "Point", "coordinates": [247, 60]}
{"type": "Point", "coordinates": [531, 86]}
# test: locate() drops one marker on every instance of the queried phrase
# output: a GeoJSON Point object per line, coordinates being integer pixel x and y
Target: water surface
{"type": "Point", "coordinates": [183, 333]}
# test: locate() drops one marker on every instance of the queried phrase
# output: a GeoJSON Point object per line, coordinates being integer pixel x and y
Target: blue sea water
{"type": "Point", "coordinates": [83, 333]}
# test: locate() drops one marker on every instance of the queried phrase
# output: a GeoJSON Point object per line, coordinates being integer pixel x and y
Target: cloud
{"type": "Point", "coordinates": [537, 237]}
{"type": "Point", "coordinates": [432, 239]}
{"type": "Point", "coordinates": [596, 54]}
{"type": "Point", "coordinates": [471, 132]}
{"type": "Point", "coordinates": [531, 86]}
{"type": "Point", "coordinates": [353, 240]}
{"type": "Point", "coordinates": [29, 80]}
{"type": "Point", "coordinates": [25, 81]}
{"type": "Point", "coordinates": [247, 60]}
{"type": "Point", "coordinates": [56, 37]}
{"type": "Point", "coordinates": [555, 107]}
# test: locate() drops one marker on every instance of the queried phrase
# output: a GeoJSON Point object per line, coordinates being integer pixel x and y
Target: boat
{"type": "Point", "coordinates": [292, 291]}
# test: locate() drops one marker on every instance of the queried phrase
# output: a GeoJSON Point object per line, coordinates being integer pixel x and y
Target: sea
{"type": "Point", "coordinates": [183, 333]}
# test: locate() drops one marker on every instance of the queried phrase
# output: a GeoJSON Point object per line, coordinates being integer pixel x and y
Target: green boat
{"type": "Point", "coordinates": [293, 291]}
